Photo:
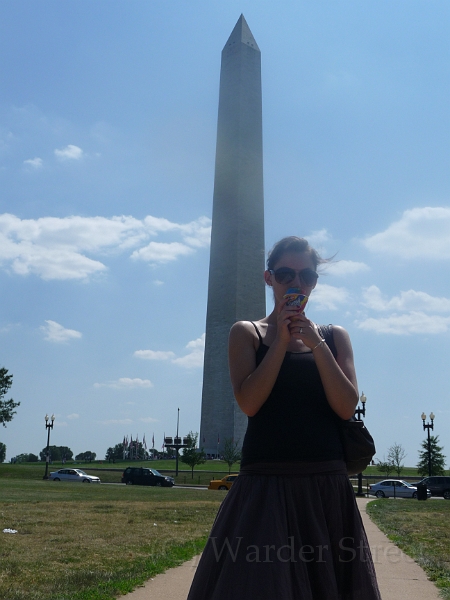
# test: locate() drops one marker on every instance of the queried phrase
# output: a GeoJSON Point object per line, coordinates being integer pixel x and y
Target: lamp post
{"type": "Point", "coordinates": [428, 426]}
{"type": "Point", "coordinates": [360, 410]}
{"type": "Point", "coordinates": [176, 443]}
{"type": "Point", "coordinates": [48, 426]}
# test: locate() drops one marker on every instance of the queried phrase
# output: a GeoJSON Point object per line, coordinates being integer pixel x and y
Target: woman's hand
{"type": "Point", "coordinates": [301, 328]}
{"type": "Point", "coordinates": [287, 316]}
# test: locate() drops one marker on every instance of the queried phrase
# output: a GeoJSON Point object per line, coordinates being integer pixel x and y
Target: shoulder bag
{"type": "Point", "coordinates": [357, 443]}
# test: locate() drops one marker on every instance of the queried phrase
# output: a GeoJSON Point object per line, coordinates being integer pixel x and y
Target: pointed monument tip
{"type": "Point", "coordinates": [242, 34]}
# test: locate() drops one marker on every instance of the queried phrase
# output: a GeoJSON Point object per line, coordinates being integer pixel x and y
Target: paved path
{"type": "Point", "coordinates": [399, 577]}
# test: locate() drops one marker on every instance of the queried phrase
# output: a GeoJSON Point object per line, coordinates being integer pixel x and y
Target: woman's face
{"type": "Point", "coordinates": [296, 261]}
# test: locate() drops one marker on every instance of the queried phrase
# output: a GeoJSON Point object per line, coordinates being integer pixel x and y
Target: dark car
{"type": "Point", "coordinates": [438, 485]}
{"type": "Point", "coordinates": [141, 476]}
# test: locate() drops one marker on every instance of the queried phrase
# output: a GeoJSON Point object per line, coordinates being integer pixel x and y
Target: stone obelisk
{"type": "Point", "coordinates": [236, 285]}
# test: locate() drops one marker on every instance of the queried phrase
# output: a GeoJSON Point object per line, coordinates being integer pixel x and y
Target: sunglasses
{"type": "Point", "coordinates": [286, 275]}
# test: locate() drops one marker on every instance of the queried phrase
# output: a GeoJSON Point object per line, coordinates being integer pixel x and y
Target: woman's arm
{"type": "Point", "coordinates": [338, 375]}
{"type": "Point", "coordinates": [252, 384]}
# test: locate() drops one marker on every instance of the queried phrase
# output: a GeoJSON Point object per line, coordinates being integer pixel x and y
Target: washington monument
{"type": "Point", "coordinates": [236, 285]}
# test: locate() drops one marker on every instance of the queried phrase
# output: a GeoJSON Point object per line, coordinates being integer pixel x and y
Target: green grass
{"type": "Point", "coordinates": [421, 530]}
{"type": "Point", "coordinates": [95, 542]}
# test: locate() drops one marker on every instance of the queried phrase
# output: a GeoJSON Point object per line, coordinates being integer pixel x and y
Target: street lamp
{"type": "Point", "coordinates": [428, 426]}
{"type": "Point", "coordinates": [361, 410]}
{"type": "Point", "coordinates": [48, 426]}
{"type": "Point", "coordinates": [176, 443]}
{"type": "Point", "coordinates": [358, 412]}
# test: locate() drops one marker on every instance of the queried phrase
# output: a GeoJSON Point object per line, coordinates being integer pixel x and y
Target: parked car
{"type": "Point", "coordinates": [394, 487]}
{"type": "Point", "coordinates": [141, 476]}
{"type": "Point", "coordinates": [222, 484]}
{"type": "Point", "coordinates": [438, 485]}
{"type": "Point", "coordinates": [73, 475]}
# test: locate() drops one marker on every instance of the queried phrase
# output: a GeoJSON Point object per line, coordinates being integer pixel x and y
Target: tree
{"type": "Point", "coordinates": [57, 453]}
{"type": "Point", "coordinates": [21, 457]}
{"type": "Point", "coordinates": [436, 456]}
{"type": "Point", "coordinates": [192, 456]}
{"type": "Point", "coordinates": [114, 452]}
{"type": "Point", "coordinates": [396, 456]}
{"type": "Point", "coordinates": [6, 406]}
{"type": "Point", "coordinates": [88, 456]}
{"type": "Point", "coordinates": [385, 467]}
{"type": "Point", "coordinates": [2, 452]}
{"type": "Point", "coordinates": [231, 453]}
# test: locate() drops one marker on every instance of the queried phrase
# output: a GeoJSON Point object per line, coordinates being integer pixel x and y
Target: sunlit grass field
{"type": "Point", "coordinates": [95, 542]}
{"type": "Point", "coordinates": [421, 530]}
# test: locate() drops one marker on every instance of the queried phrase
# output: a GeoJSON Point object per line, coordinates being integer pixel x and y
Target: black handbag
{"type": "Point", "coordinates": [357, 443]}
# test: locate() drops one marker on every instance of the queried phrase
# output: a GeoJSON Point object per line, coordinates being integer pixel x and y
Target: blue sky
{"type": "Point", "coordinates": [108, 116]}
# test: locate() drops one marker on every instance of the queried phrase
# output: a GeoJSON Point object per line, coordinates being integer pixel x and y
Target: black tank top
{"type": "Point", "coordinates": [296, 423]}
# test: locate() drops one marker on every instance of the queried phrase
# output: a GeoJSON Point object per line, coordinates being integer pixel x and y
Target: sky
{"type": "Point", "coordinates": [108, 114]}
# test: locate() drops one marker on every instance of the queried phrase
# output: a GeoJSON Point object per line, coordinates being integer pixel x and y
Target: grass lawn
{"type": "Point", "coordinates": [95, 542]}
{"type": "Point", "coordinates": [421, 530]}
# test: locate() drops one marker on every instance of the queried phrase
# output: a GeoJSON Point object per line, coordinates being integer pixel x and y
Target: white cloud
{"type": "Point", "coordinates": [419, 233]}
{"type": "Point", "coordinates": [160, 252]}
{"type": "Point", "coordinates": [126, 383]}
{"type": "Point", "coordinates": [54, 332]}
{"type": "Point", "coordinates": [407, 324]}
{"type": "Point", "coordinates": [158, 282]}
{"type": "Point", "coordinates": [35, 163]}
{"type": "Point", "coordinates": [57, 248]}
{"type": "Point", "coordinates": [406, 301]}
{"type": "Point", "coordinates": [192, 360]}
{"type": "Point", "coordinates": [148, 420]}
{"type": "Point", "coordinates": [116, 422]}
{"type": "Point", "coordinates": [345, 267]}
{"type": "Point", "coordinates": [73, 416]}
{"type": "Point", "coordinates": [319, 237]}
{"type": "Point", "coordinates": [195, 358]}
{"type": "Point", "coordinates": [328, 297]}
{"type": "Point", "coordinates": [154, 354]}
{"type": "Point", "coordinates": [70, 152]}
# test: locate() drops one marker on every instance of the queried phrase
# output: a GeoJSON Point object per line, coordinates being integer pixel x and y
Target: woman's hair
{"type": "Point", "coordinates": [293, 244]}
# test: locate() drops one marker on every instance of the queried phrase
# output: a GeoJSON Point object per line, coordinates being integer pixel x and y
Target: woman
{"type": "Point", "coordinates": [289, 528]}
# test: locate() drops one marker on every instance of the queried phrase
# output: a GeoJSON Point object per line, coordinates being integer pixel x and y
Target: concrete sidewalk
{"type": "Point", "coordinates": [399, 577]}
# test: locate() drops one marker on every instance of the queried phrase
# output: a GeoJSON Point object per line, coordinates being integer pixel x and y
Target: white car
{"type": "Point", "coordinates": [394, 488]}
{"type": "Point", "coordinates": [73, 475]}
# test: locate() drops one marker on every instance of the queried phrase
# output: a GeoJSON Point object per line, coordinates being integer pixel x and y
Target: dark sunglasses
{"type": "Point", "coordinates": [285, 275]}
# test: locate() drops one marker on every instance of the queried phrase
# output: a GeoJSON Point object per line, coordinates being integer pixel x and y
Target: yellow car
{"type": "Point", "coordinates": [222, 484]}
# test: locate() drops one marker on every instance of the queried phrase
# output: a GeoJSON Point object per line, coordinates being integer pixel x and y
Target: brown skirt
{"type": "Point", "coordinates": [287, 531]}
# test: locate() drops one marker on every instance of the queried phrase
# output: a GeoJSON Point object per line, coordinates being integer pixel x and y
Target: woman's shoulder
{"type": "Point", "coordinates": [247, 331]}
{"type": "Point", "coordinates": [339, 332]}
{"type": "Point", "coordinates": [341, 340]}
{"type": "Point", "coordinates": [251, 326]}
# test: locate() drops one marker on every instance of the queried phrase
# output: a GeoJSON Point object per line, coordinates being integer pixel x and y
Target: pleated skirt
{"type": "Point", "coordinates": [287, 531]}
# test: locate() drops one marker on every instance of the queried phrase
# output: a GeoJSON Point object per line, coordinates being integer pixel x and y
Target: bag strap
{"type": "Point", "coordinates": [326, 331]}
{"type": "Point", "coordinates": [258, 332]}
